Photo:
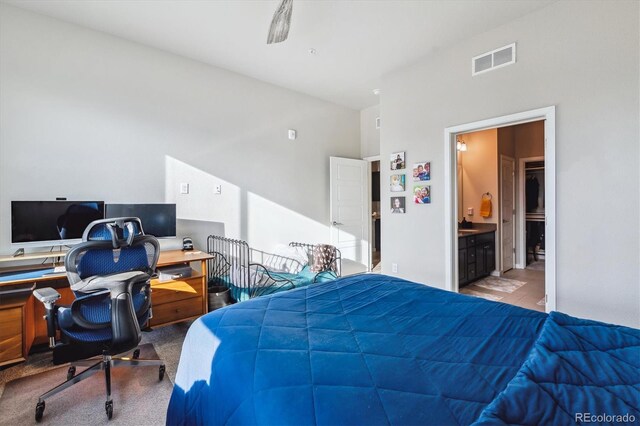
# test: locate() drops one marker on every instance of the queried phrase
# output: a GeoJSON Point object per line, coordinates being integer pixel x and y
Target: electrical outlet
{"type": "Point", "coordinates": [218, 189]}
{"type": "Point", "coordinates": [394, 268]}
{"type": "Point", "coordinates": [184, 188]}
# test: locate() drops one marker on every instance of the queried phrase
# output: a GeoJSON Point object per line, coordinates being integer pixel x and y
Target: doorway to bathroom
{"type": "Point", "coordinates": [501, 240]}
{"type": "Point", "coordinates": [500, 219]}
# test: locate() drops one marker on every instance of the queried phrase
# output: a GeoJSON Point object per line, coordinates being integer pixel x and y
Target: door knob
{"type": "Point", "coordinates": [334, 223]}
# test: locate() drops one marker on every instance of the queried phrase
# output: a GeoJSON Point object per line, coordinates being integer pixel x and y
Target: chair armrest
{"type": "Point", "coordinates": [48, 297]}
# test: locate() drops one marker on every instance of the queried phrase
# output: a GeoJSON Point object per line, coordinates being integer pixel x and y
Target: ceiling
{"type": "Point", "coordinates": [356, 42]}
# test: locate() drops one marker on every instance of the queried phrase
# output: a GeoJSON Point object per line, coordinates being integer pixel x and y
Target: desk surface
{"type": "Point", "coordinates": [16, 277]}
{"type": "Point", "coordinates": [30, 273]}
{"type": "Point", "coordinates": [178, 256]}
{"type": "Point", "coordinates": [34, 256]}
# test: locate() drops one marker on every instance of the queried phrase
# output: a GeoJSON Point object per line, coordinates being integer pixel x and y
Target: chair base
{"type": "Point", "coordinates": [106, 363]}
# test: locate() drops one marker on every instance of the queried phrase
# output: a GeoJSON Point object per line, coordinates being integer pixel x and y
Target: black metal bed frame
{"type": "Point", "coordinates": [237, 262]}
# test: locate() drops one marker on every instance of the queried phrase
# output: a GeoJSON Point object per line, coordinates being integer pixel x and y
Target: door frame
{"type": "Point", "coordinates": [513, 214]}
{"type": "Point", "coordinates": [370, 160]}
{"type": "Point", "coordinates": [522, 214]}
{"type": "Point", "coordinates": [548, 114]}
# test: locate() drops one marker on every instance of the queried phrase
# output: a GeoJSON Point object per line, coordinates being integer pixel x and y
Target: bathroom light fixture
{"type": "Point", "coordinates": [460, 145]}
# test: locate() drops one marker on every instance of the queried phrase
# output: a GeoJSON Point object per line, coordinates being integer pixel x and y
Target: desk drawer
{"type": "Point", "coordinates": [173, 291]}
{"type": "Point", "coordinates": [176, 311]}
{"type": "Point", "coordinates": [10, 334]}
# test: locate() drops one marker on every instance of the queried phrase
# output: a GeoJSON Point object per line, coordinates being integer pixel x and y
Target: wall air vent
{"type": "Point", "coordinates": [498, 58]}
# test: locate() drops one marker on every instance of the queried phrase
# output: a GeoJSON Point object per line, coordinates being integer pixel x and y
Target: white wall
{"type": "Point", "coordinates": [479, 174]}
{"type": "Point", "coordinates": [582, 57]}
{"type": "Point", "coordinates": [369, 135]}
{"type": "Point", "coordinates": [87, 115]}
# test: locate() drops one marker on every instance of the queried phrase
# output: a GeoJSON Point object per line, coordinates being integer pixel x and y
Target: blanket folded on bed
{"type": "Point", "coordinates": [578, 371]}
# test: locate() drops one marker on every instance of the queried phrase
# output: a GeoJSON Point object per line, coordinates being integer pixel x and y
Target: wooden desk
{"type": "Point", "coordinates": [184, 299]}
{"type": "Point", "coordinates": [21, 315]}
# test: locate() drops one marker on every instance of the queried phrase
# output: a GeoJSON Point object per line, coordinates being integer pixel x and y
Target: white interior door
{"type": "Point", "coordinates": [507, 212]}
{"type": "Point", "coordinates": [349, 212]}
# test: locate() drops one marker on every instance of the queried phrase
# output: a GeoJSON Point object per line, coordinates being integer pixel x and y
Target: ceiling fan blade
{"type": "Point", "coordinates": [279, 30]}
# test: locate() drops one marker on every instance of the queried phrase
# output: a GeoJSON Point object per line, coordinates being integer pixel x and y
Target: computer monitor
{"type": "Point", "coordinates": [158, 220]}
{"type": "Point", "coordinates": [48, 223]}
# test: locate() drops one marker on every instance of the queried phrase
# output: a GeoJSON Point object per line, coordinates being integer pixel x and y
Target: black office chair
{"type": "Point", "coordinates": [109, 273]}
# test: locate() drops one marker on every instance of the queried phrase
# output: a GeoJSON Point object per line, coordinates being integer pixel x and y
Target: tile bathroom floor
{"type": "Point", "coordinates": [528, 296]}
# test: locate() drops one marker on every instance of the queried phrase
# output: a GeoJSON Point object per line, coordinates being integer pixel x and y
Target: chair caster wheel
{"type": "Point", "coordinates": [108, 406]}
{"type": "Point", "coordinates": [161, 371]}
{"type": "Point", "coordinates": [39, 411]}
{"type": "Point", "coordinates": [136, 354]}
{"type": "Point", "coordinates": [71, 372]}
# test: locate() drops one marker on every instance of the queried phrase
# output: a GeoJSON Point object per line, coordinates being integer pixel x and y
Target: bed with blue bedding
{"type": "Point", "coordinates": [579, 371]}
{"type": "Point", "coordinates": [367, 349]}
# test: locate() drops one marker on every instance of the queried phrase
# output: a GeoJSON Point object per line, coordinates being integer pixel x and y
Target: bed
{"type": "Point", "coordinates": [248, 272]}
{"type": "Point", "coordinates": [372, 349]}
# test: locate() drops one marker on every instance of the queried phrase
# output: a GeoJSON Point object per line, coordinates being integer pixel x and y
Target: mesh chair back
{"type": "Point", "coordinates": [112, 246]}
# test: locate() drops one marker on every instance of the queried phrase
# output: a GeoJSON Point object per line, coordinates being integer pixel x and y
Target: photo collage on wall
{"type": "Point", "coordinates": [421, 192]}
{"type": "Point", "coordinates": [398, 182]}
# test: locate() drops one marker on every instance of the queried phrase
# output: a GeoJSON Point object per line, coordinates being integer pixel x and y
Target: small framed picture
{"type": "Point", "coordinates": [422, 171]}
{"type": "Point", "coordinates": [398, 183]}
{"type": "Point", "coordinates": [398, 204]}
{"type": "Point", "coordinates": [422, 194]}
{"type": "Point", "coordinates": [397, 161]}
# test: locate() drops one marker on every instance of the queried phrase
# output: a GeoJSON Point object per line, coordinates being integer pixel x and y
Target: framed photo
{"type": "Point", "coordinates": [397, 161]}
{"type": "Point", "coordinates": [398, 204]}
{"type": "Point", "coordinates": [398, 183]}
{"type": "Point", "coordinates": [422, 171]}
{"type": "Point", "coordinates": [422, 194]}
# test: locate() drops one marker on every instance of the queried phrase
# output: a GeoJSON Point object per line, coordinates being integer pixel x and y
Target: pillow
{"type": "Point", "coordinates": [323, 257]}
{"type": "Point", "coordinates": [286, 259]}
{"type": "Point", "coordinates": [244, 277]}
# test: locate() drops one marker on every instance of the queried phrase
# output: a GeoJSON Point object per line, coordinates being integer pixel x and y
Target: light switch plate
{"type": "Point", "coordinates": [218, 189]}
{"type": "Point", "coordinates": [184, 188]}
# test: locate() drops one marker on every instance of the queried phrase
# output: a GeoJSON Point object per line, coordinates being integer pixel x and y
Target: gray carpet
{"type": "Point", "coordinates": [146, 397]}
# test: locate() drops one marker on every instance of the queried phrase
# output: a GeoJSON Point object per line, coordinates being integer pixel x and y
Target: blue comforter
{"type": "Point", "coordinates": [579, 371]}
{"type": "Point", "coordinates": [366, 349]}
